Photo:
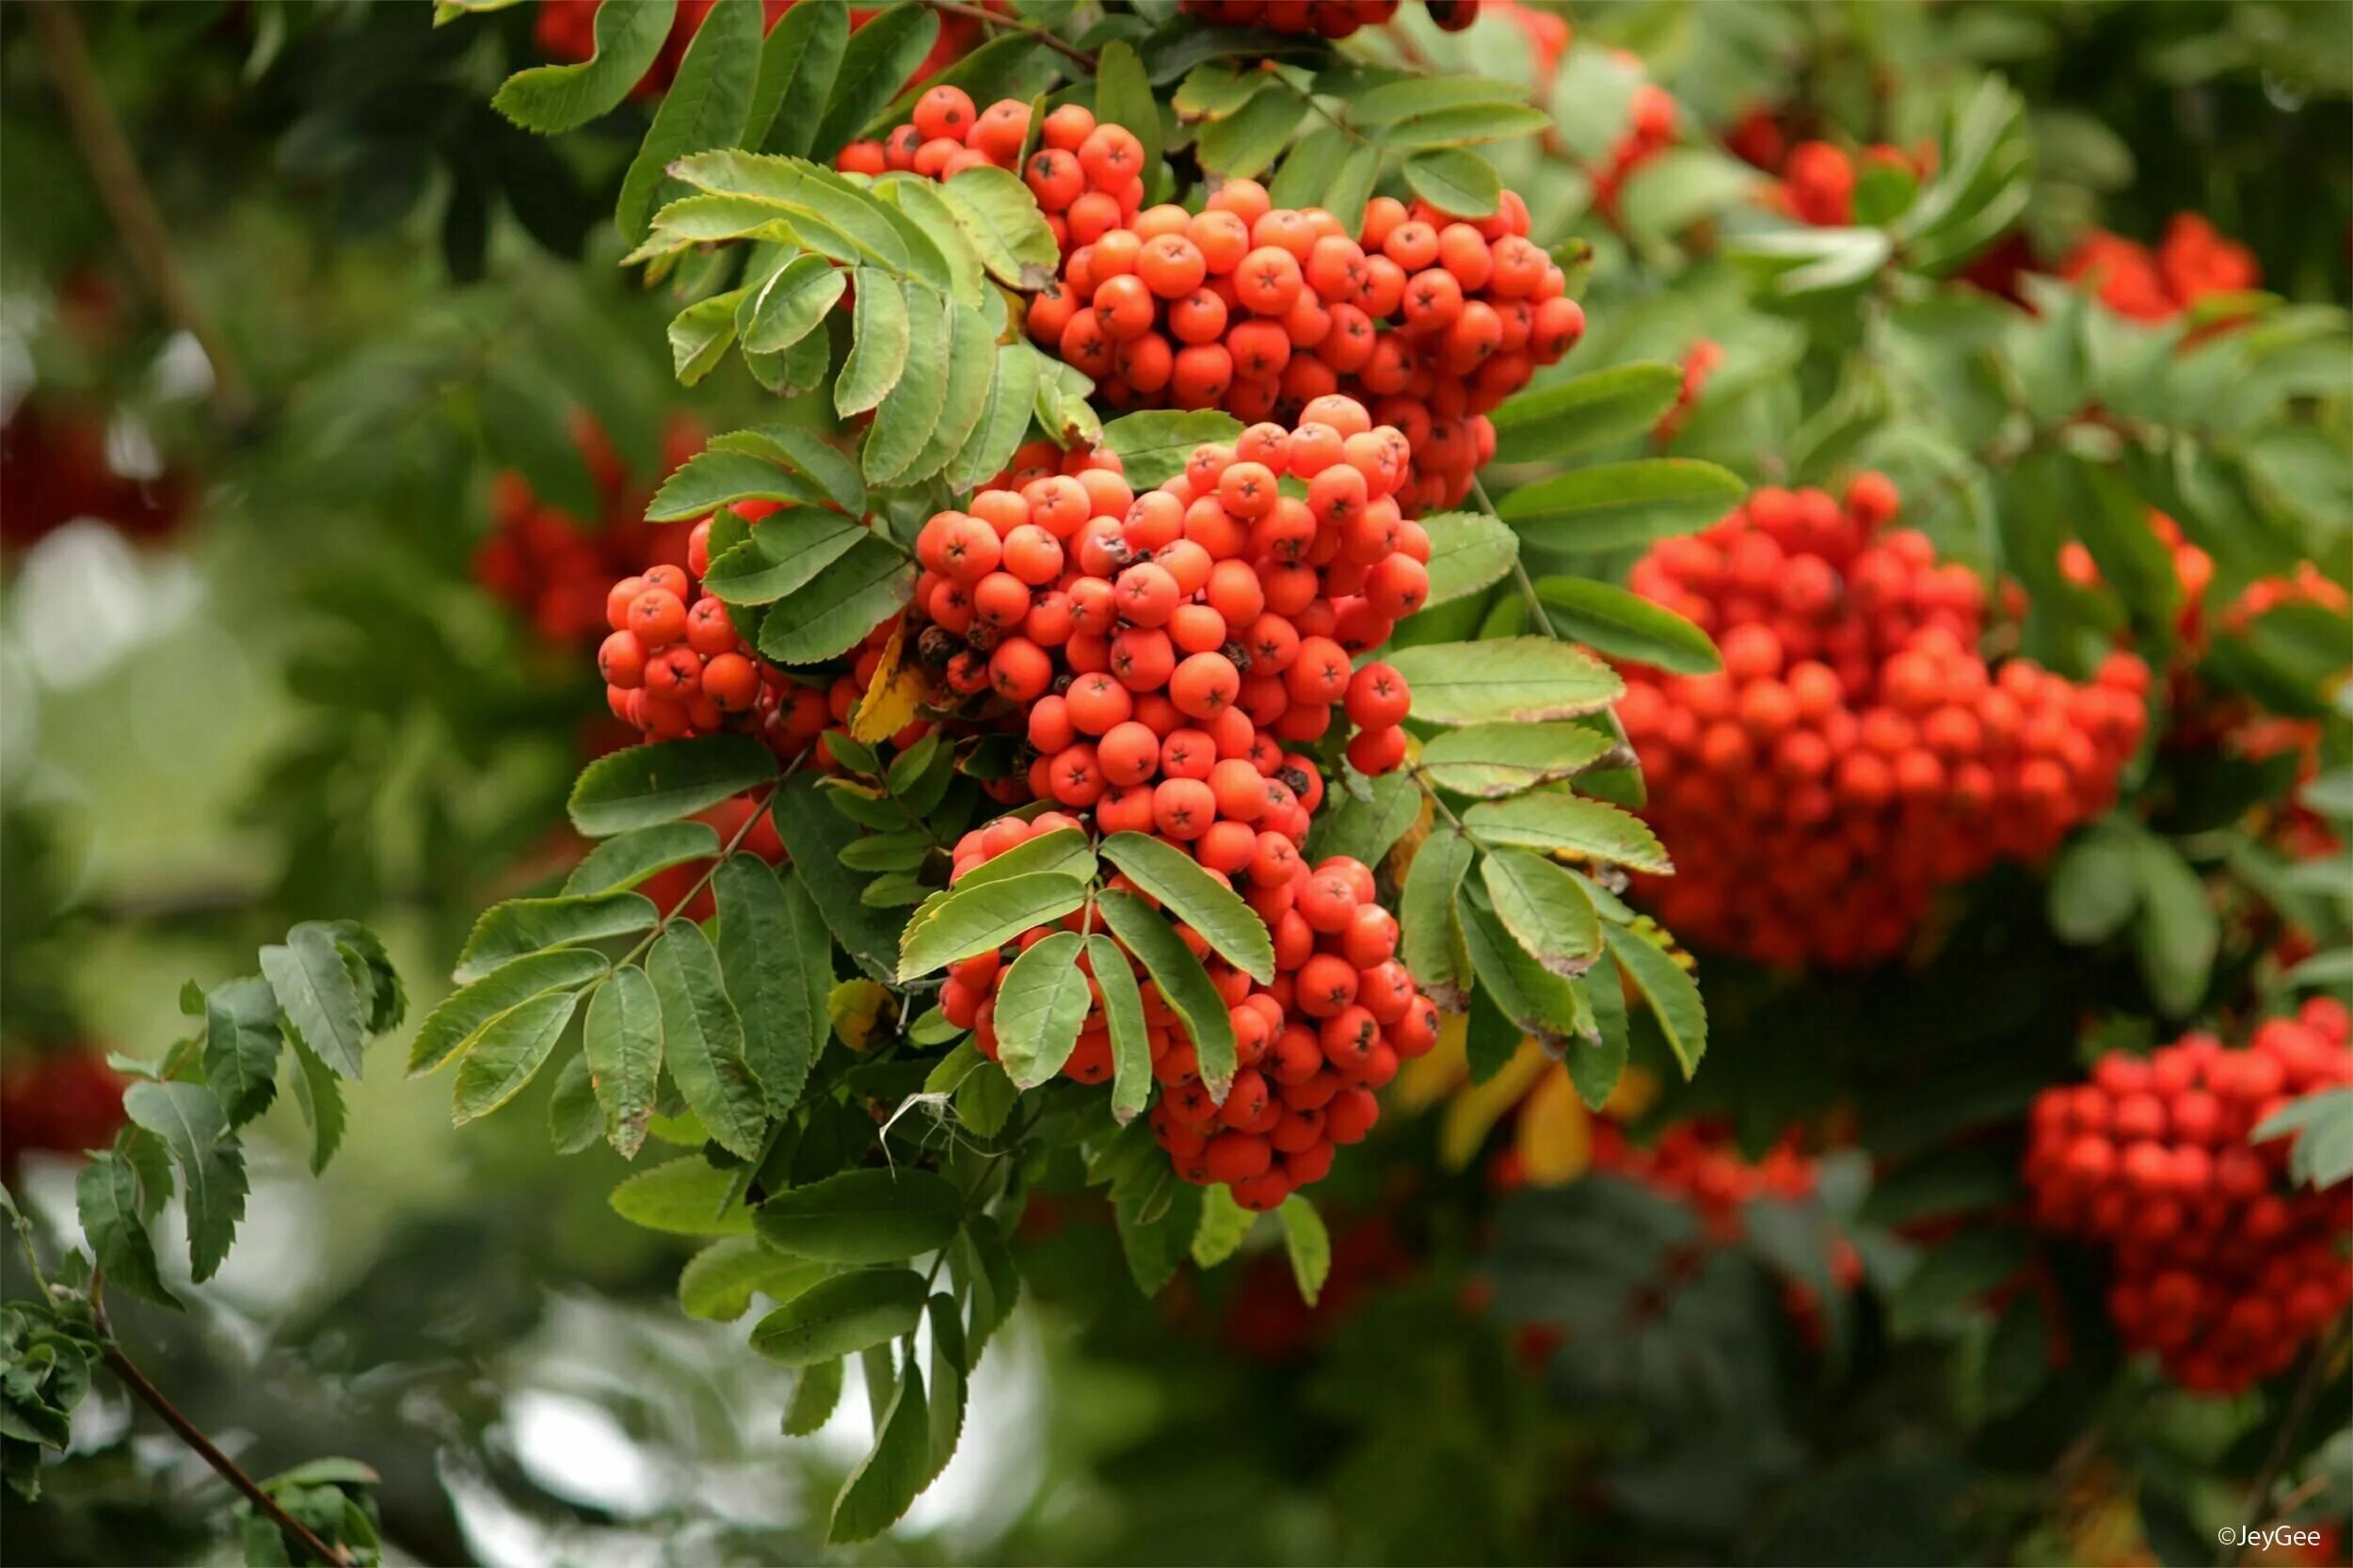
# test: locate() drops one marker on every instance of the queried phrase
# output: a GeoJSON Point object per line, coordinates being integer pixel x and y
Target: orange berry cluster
{"type": "Point", "coordinates": [1332, 18]}
{"type": "Point", "coordinates": [557, 567]}
{"type": "Point", "coordinates": [2192, 262]}
{"type": "Point", "coordinates": [1855, 753]}
{"type": "Point", "coordinates": [2222, 1269]}
{"type": "Point", "coordinates": [1699, 1162]}
{"type": "Point", "coordinates": [1429, 320]}
{"type": "Point", "coordinates": [1163, 649]}
{"type": "Point", "coordinates": [674, 664]}
{"type": "Point", "coordinates": [1088, 178]}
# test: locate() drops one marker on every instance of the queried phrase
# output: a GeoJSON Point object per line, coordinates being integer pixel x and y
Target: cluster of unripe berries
{"type": "Point", "coordinates": [1088, 178]}
{"type": "Point", "coordinates": [2190, 263]}
{"type": "Point", "coordinates": [1429, 320]}
{"type": "Point", "coordinates": [1332, 18]}
{"type": "Point", "coordinates": [2222, 1269]}
{"type": "Point", "coordinates": [674, 664]}
{"type": "Point", "coordinates": [1166, 653]}
{"type": "Point", "coordinates": [1855, 754]}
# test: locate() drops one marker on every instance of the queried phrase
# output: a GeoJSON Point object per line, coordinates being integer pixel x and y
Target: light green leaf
{"type": "Point", "coordinates": [1004, 419]}
{"type": "Point", "coordinates": [784, 553]}
{"type": "Point", "coordinates": [703, 1040]}
{"type": "Point", "coordinates": [840, 605]}
{"type": "Point", "coordinates": [879, 334]}
{"type": "Point", "coordinates": [790, 304]}
{"type": "Point", "coordinates": [320, 1098]}
{"type": "Point", "coordinates": [1224, 1225]}
{"type": "Point", "coordinates": [1182, 982]}
{"type": "Point", "coordinates": [699, 335]}
{"type": "Point", "coordinates": [1505, 679]}
{"type": "Point", "coordinates": [1431, 941]}
{"type": "Point", "coordinates": [1595, 1068]}
{"type": "Point", "coordinates": [1308, 1244]}
{"type": "Point", "coordinates": [1594, 410]}
{"type": "Point", "coordinates": [704, 107]}
{"type": "Point", "coordinates": [1613, 505]}
{"type": "Point", "coordinates": [971, 365]}
{"type": "Point", "coordinates": [1152, 447]}
{"type": "Point", "coordinates": [718, 1283]}
{"type": "Point", "coordinates": [973, 919]}
{"type": "Point", "coordinates": [1543, 908]}
{"type": "Point", "coordinates": [1198, 897]}
{"type": "Point", "coordinates": [622, 1045]}
{"type": "Point", "coordinates": [1556, 822]}
{"type": "Point", "coordinates": [1040, 1006]}
{"type": "Point", "coordinates": [725, 475]}
{"type": "Point", "coordinates": [1241, 145]}
{"type": "Point", "coordinates": [1462, 125]}
{"type": "Point", "coordinates": [1468, 552]}
{"type": "Point", "coordinates": [841, 1316]}
{"type": "Point", "coordinates": [1123, 95]}
{"type": "Point", "coordinates": [1494, 759]}
{"type": "Point", "coordinates": [452, 1028]}
{"type": "Point", "coordinates": [1123, 1012]}
{"type": "Point", "coordinates": [999, 215]}
{"type": "Point", "coordinates": [510, 1052]}
{"type": "Point", "coordinates": [689, 1196]}
{"type": "Point", "coordinates": [552, 98]}
{"type": "Point", "coordinates": [527, 925]}
{"type": "Point", "coordinates": [1455, 181]}
{"type": "Point", "coordinates": [1673, 996]}
{"type": "Point", "coordinates": [815, 1393]}
{"type": "Point", "coordinates": [1155, 1245]}
{"type": "Point", "coordinates": [1625, 625]}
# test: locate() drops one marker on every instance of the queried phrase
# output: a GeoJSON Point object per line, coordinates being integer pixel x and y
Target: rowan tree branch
{"type": "Point", "coordinates": [129, 203]}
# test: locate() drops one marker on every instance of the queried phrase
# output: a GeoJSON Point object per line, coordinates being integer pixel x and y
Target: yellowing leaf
{"type": "Point", "coordinates": [1401, 858]}
{"type": "Point", "coordinates": [855, 1007]}
{"type": "Point", "coordinates": [889, 703]}
{"type": "Point", "coordinates": [1429, 1078]}
{"type": "Point", "coordinates": [1556, 1136]}
{"type": "Point", "coordinates": [1477, 1107]}
{"type": "Point", "coordinates": [1635, 1093]}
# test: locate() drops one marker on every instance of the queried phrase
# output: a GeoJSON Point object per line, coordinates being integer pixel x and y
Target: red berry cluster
{"type": "Point", "coordinates": [2192, 262]}
{"type": "Point", "coordinates": [64, 1100]}
{"type": "Point", "coordinates": [1817, 182]}
{"type": "Point", "coordinates": [1165, 647]}
{"type": "Point", "coordinates": [1699, 1162]}
{"type": "Point", "coordinates": [55, 467]}
{"type": "Point", "coordinates": [1698, 364]}
{"type": "Point", "coordinates": [1855, 753]}
{"type": "Point", "coordinates": [1088, 178]}
{"type": "Point", "coordinates": [2222, 1269]}
{"type": "Point", "coordinates": [1651, 122]}
{"type": "Point", "coordinates": [1260, 310]}
{"type": "Point", "coordinates": [1332, 18]}
{"type": "Point", "coordinates": [557, 567]}
{"type": "Point", "coordinates": [674, 664]}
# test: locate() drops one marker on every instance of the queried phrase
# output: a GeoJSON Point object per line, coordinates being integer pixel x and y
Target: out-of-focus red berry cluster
{"type": "Point", "coordinates": [2222, 1269]}
{"type": "Point", "coordinates": [63, 1101]}
{"type": "Point", "coordinates": [2192, 262]}
{"type": "Point", "coordinates": [555, 568]}
{"type": "Point", "coordinates": [1855, 754]}
{"type": "Point", "coordinates": [53, 469]}
{"type": "Point", "coordinates": [1429, 320]}
{"type": "Point", "coordinates": [1818, 181]}
{"type": "Point", "coordinates": [567, 30]}
{"type": "Point", "coordinates": [1332, 18]}
{"type": "Point", "coordinates": [1653, 122]}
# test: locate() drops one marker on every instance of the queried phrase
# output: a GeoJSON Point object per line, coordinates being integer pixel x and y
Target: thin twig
{"type": "Point", "coordinates": [136, 219]}
{"type": "Point", "coordinates": [136, 1381]}
{"type": "Point", "coordinates": [2299, 1407]}
{"type": "Point", "coordinates": [989, 17]}
{"type": "Point", "coordinates": [1519, 572]}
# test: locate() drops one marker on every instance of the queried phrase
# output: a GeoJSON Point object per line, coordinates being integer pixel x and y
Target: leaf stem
{"type": "Point", "coordinates": [1519, 570]}
{"type": "Point", "coordinates": [710, 871]}
{"type": "Point", "coordinates": [990, 19]}
{"type": "Point", "coordinates": [119, 1363]}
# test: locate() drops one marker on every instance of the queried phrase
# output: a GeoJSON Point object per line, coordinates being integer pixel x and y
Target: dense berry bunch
{"type": "Point", "coordinates": [1855, 753]}
{"type": "Point", "coordinates": [1700, 1164]}
{"type": "Point", "coordinates": [2191, 262]}
{"type": "Point", "coordinates": [1430, 321]}
{"type": "Point", "coordinates": [2221, 1269]}
{"type": "Point", "coordinates": [675, 663]}
{"type": "Point", "coordinates": [1165, 649]}
{"type": "Point", "coordinates": [1088, 178]}
{"type": "Point", "coordinates": [1332, 18]}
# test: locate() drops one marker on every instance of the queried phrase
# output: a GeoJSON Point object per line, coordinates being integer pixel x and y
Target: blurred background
{"type": "Point", "coordinates": [329, 414]}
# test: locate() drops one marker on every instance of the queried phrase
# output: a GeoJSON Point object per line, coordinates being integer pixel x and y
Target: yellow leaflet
{"type": "Point", "coordinates": [1401, 854]}
{"type": "Point", "coordinates": [1476, 1107]}
{"type": "Point", "coordinates": [889, 703]}
{"type": "Point", "coordinates": [1429, 1078]}
{"type": "Point", "coordinates": [1556, 1137]}
{"type": "Point", "coordinates": [855, 1007]}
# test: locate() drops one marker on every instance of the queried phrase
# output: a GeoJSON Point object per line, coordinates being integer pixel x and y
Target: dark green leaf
{"type": "Point", "coordinates": [815, 1395]}
{"type": "Point", "coordinates": [241, 1046]}
{"type": "Point", "coordinates": [211, 1167]}
{"type": "Point", "coordinates": [1155, 1246]}
{"type": "Point", "coordinates": [320, 995]}
{"type": "Point", "coordinates": [769, 943]}
{"type": "Point", "coordinates": [864, 1216]}
{"type": "Point", "coordinates": [1545, 909]}
{"type": "Point", "coordinates": [973, 919]}
{"type": "Point", "coordinates": [1123, 1013]}
{"type": "Point", "coordinates": [626, 859]}
{"type": "Point", "coordinates": [703, 108]}
{"type": "Point", "coordinates": [815, 836]}
{"type": "Point", "coordinates": [797, 65]}
{"type": "Point", "coordinates": [1199, 898]}
{"type": "Point", "coordinates": [1364, 829]}
{"type": "Point", "coordinates": [1673, 996]}
{"type": "Point", "coordinates": [1595, 1068]}
{"type": "Point", "coordinates": [107, 1195]}
{"type": "Point", "coordinates": [878, 59]}
{"type": "Point", "coordinates": [451, 1029]}
{"type": "Point", "coordinates": [839, 606]}
{"type": "Point", "coordinates": [884, 1485]}
{"type": "Point", "coordinates": [1958, 1272]}
{"type": "Point", "coordinates": [1432, 942]}
{"type": "Point", "coordinates": [320, 1096]}
{"type": "Point", "coordinates": [841, 1316]}
{"type": "Point", "coordinates": [665, 780]}
{"type": "Point", "coordinates": [510, 1053]}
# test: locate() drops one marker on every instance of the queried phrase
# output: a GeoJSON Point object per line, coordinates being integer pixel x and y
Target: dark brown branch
{"type": "Point", "coordinates": [188, 1432]}
{"type": "Point", "coordinates": [128, 201]}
